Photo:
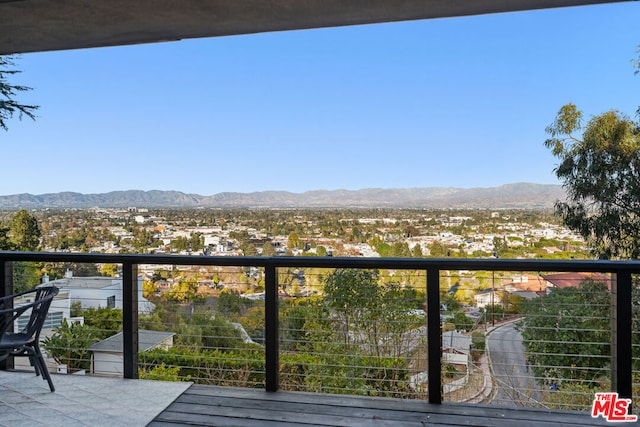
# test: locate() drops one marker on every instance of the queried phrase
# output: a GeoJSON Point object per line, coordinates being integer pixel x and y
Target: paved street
{"type": "Point", "coordinates": [514, 382]}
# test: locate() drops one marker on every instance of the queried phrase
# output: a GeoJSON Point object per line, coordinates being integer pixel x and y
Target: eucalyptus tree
{"type": "Point", "coordinates": [600, 171]}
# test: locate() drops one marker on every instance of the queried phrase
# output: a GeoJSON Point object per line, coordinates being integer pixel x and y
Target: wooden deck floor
{"type": "Point", "coordinates": [227, 406]}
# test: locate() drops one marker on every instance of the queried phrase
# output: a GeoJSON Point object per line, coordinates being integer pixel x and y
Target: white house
{"type": "Point", "coordinates": [59, 309]}
{"type": "Point", "coordinates": [487, 297]}
{"type": "Point", "coordinates": [456, 348]}
{"type": "Point", "coordinates": [98, 291]}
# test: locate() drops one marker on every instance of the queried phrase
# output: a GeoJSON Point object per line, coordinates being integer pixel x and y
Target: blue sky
{"type": "Point", "coordinates": [459, 102]}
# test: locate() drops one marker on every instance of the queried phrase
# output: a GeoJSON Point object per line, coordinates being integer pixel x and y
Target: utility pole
{"type": "Point", "coordinates": [493, 291]}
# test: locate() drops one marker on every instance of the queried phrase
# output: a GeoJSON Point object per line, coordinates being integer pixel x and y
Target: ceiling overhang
{"type": "Point", "coordinates": [45, 25]}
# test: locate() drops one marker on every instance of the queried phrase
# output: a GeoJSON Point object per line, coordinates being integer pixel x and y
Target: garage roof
{"type": "Point", "coordinates": [44, 25]}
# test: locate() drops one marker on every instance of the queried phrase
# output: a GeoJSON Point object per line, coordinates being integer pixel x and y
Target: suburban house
{"type": "Point", "coordinates": [92, 292]}
{"type": "Point", "coordinates": [60, 309]}
{"type": "Point", "coordinates": [456, 348]}
{"type": "Point", "coordinates": [573, 280]}
{"type": "Point", "coordinates": [486, 297]}
{"type": "Point", "coordinates": [107, 355]}
{"type": "Point", "coordinates": [97, 291]}
{"type": "Point", "coordinates": [526, 282]}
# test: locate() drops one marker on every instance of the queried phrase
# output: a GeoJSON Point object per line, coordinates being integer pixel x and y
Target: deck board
{"type": "Point", "coordinates": [229, 406]}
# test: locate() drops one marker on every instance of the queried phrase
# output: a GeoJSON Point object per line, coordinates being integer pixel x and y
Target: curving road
{"type": "Point", "coordinates": [514, 382]}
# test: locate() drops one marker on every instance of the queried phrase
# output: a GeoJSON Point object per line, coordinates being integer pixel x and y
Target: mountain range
{"type": "Point", "coordinates": [509, 196]}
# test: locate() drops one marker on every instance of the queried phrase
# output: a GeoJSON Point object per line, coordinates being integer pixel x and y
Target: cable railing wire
{"type": "Point", "coordinates": [326, 345]}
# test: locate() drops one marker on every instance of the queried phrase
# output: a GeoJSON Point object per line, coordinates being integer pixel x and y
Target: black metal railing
{"type": "Point", "coordinates": [621, 293]}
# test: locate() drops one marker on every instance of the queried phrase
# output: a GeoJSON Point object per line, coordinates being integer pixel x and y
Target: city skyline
{"type": "Point", "coordinates": [456, 102]}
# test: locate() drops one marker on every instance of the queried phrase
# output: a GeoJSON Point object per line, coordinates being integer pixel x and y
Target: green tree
{"type": "Point", "coordinates": [26, 275]}
{"type": "Point", "coordinates": [8, 104]}
{"type": "Point", "coordinates": [5, 242]}
{"type": "Point", "coordinates": [185, 290]}
{"type": "Point", "coordinates": [566, 333]}
{"type": "Point", "coordinates": [149, 289]}
{"type": "Point", "coordinates": [231, 304]}
{"type": "Point", "coordinates": [601, 173]}
{"type": "Point", "coordinates": [392, 318]}
{"type": "Point", "coordinates": [437, 250]}
{"type": "Point", "coordinates": [110, 270]}
{"type": "Point", "coordinates": [400, 249]}
{"type": "Point", "coordinates": [374, 317]}
{"type": "Point", "coordinates": [24, 231]}
{"type": "Point", "coordinates": [69, 343]}
{"type": "Point", "coordinates": [350, 293]}
{"type": "Point", "coordinates": [462, 322]}
{"type": "Point", "coordinates": [293, 240]}
{"type": "Point", "coordinates": [249, 249]}
{"type": "Point", "coordinates": [106, 321]}
{"type": "Point", "coordinates": [76, 308]}
{"type": "Point", "coordinates": [79, 269]}
{"type": "Point", "coordinates": [163, 372]}
{"type": "Point", "coordinates": [416, 252]}
{"type": "Point", "coordinates": [268, 249]}
{"type": "Point", "coordinates": [500, 246]}
{"type": "Point", "coordinates": [179, 244]}
{"type": "Point", "coordinates": [196, 242]}
{"type": "Point", "coordinates": [383, 249]}
{"type": "Point", "coordinates": [218, 333]}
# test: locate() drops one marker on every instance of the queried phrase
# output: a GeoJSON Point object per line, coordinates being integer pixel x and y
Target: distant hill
{"type": "Point", "coordinates": [514, 196]}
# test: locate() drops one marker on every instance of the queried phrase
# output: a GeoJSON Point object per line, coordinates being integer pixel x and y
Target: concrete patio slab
{"type": "Point", "coordinates": [25, 400]}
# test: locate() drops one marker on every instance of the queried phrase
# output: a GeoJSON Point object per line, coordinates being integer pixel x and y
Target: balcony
{"type": "Point", "coordinates": [281, 381]}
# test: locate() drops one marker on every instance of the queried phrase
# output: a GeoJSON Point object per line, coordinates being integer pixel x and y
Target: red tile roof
{"type": "Point", "coordinates": [573, 280]}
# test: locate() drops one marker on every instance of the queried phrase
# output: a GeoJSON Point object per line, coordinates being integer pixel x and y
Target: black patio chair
{"type": "Point", "coordinates": [25, 342]}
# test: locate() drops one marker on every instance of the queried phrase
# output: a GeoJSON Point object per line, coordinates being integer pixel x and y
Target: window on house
{"type": "Point", "coordinates": [53, 320]}
{"type": "Point", "coordinates": [111, 301]}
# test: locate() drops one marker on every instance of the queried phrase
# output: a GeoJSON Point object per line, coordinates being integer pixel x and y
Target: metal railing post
{"type": "Point", "coordinates": [434, 341]}
{"type": "Point", "coordinates": [6, 278]}
{"type": "Point", "coordinates": [622, 334]}
{"type": "Point", "coordinates": [272, 351]}
{"type": "Point", "coordinates": [6, 289]}
{"type": "Point", "coordinates": [130, 319]}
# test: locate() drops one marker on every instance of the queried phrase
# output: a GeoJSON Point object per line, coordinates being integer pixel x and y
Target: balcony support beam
{"type": "Point", "coordinates": [622, 334]}
{"type": "Point", "coordinates": [272, 340]}
{"type": "Point", "coordinates": [434, 336]}
{"type": "Point", "coordinates": [130, 319]}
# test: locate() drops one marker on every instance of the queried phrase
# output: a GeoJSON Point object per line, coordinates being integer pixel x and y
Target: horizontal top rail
{"type": "Point", "coordinates": [335, 262]}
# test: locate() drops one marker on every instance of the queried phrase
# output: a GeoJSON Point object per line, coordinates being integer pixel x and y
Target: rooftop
{"type": "Point", "coordinates": [146, 341]}
{"type": "Point", "coordinates": [96, 282]}
{"type": "Point", "coordinates": [573, 279]}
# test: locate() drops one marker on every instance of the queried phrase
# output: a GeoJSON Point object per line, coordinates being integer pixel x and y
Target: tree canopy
{"type": "Point", "coordinates": [567, 333]}
{"type": "Point", "coordinates": [375, 317]}
{"type": "Point", "coordinates": [9, 106]}
{"type": "Point", "coordinates": [24, 231]}
{"type": "Point", "coordinates": [600, 171]}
